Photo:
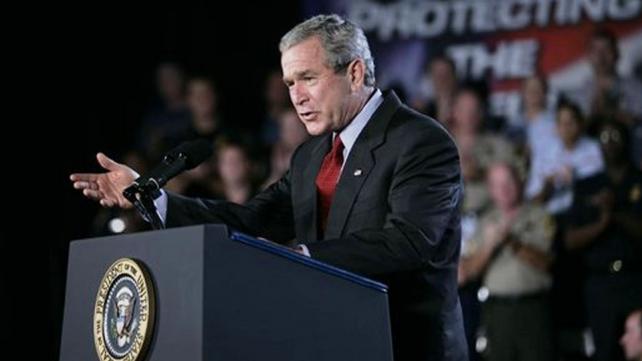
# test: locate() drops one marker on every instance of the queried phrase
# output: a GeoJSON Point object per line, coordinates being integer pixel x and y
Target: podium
{"type": "Point", "coordinates": [221, 295]}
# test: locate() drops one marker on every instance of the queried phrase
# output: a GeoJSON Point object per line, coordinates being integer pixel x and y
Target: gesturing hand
{"type": "Point", "coordinates": [106, 188]}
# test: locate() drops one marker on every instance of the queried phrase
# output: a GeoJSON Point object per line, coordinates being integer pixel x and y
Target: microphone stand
{"type": "Point", "coordinates": [143, 199]}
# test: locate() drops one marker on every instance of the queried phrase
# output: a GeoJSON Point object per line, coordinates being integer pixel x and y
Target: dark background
{"type": "Point", "coordinates": [85, 79]}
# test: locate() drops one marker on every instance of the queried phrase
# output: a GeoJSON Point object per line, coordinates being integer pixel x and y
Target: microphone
{"type": "Point", "coordinates": [147, 188]}
{"type": "Point", "coordinates": [184, 157]}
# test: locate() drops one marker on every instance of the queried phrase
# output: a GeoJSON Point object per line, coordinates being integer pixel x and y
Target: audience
{"type": "Point", "coordinates": [551, 259]}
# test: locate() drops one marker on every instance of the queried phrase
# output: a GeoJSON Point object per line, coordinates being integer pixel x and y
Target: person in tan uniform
{"type": "Point", "coordinates": [477, 149]}
{"type": "Point", "coordinates": [511, 253]}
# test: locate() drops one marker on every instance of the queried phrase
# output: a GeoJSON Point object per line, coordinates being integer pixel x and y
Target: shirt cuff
{"type": "Point", "coordinates": [304, 249]}
{"type": "Point", "coordinates": [161, 206]}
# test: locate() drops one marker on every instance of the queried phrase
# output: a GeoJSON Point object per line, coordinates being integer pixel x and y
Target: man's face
{"type": "Point", "coordinates": [442, 76]}
{"type": "Point", "coordinates": [612, 142]}
{"type": "Point", "coordinates": [534, 93]}
{"type": "Point", "coordinates": [502, 186]}
{"type": "Point", "coordinates": [233, 165]}
{"type": "Point", "coordinates": [602, 56]}
{"type": "Point", "coordinates": [201, 98]}
{"type": "Point", "coordinates": [321, 97]}
{"type": "Point", "coordinates": [631, 340]}
{"type": "Point", "coordinates": [568, 126]}
{"type": "Point", "coordinates": [467, 112]}
{"type": "Point", "coordinates": [292, 132]}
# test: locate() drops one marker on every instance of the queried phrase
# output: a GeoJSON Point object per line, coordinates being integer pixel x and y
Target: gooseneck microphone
{"type": "Point", "coordinates": [184, 157]}
{"type": "Point", "coordinates": [147, 188]}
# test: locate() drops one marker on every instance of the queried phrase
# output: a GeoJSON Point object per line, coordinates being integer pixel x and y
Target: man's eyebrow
{"type": "Point", "coordinates": [303, 73]}
{"type": "Point", "coordinates": [298, 75]}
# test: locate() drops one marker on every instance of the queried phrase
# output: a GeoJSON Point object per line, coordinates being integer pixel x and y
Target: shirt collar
{"type": "Point", "coordinates": [351, 132]}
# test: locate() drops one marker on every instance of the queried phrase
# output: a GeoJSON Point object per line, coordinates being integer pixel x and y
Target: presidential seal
{"type": "Point", "coordinates": [124, 312]}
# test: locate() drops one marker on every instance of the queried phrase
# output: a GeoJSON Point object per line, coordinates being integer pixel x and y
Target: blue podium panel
{"type": "Point", "coordinates": [222, 296]}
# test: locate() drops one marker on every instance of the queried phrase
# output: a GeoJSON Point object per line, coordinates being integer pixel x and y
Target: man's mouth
{"type": "Point", "coordinates": [307, 115]}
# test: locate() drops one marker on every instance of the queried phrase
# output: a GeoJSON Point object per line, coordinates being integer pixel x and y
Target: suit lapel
{"type": "Point", "coordinates": [309, 185]}
{"type": "Point", "coordinates": [359, 165]}
{"type": "Point", "coordinates": [354, 174]}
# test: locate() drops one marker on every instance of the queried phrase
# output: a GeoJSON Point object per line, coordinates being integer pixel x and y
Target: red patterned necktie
{"type": "Point", "coordinates": [327, 181]}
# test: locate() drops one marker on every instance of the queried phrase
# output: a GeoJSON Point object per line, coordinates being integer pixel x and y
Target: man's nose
{"type": "Point", "coordinates": [298, 94]}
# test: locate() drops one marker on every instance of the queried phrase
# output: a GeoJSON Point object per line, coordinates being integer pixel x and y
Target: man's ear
{"type": "Point", "coordinates": [356, 73]}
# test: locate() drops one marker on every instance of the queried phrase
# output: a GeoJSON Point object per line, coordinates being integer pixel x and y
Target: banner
{"type": "Point", "coordinates": [500, 41]}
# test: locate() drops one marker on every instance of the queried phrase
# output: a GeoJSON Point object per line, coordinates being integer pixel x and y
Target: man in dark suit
{"type": "Point", "coordinates": [375, 191]}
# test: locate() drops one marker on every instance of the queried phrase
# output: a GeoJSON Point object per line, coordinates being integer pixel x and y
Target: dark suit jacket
{"type": "Point", "coordinates": [394, 218]}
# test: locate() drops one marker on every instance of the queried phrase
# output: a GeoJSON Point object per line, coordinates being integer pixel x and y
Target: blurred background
{"type": "Point", "coordinates": [544, 99]}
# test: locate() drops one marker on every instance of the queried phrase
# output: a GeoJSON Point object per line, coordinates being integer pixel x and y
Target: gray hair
{"type": "Point", "coordinates": [342, 40]}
